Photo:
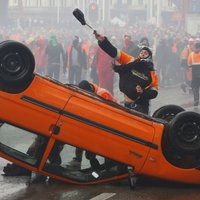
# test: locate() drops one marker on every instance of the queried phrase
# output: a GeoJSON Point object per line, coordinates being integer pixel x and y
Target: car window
{"type": "Point", "coordinates": [21, 144]}
{"type": "Point", "coordinates": [60, 162]}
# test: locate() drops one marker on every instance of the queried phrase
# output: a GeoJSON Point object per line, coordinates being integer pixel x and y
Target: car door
{"type": "Point", "coordinates": [114, 136]}
{"type": "Point", "coordinates": [28, 120]}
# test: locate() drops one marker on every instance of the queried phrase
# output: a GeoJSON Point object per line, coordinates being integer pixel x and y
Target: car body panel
{"type": "Point", "coordinates": [156, 165]}
{"type": "Point", "coordinates": [37, 107]}
{"type": "Point", "coordinates": [113, 134]}
{"type": "Point", "coordinates": [86, 121]}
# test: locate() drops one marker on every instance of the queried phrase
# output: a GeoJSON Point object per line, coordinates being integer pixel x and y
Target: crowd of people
{"type": "Point", "coordinates": [73, 55]}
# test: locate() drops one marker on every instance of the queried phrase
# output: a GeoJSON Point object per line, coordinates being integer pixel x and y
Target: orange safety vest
{"type": "Point", "coordinates": [184, 56]}
{"type": "Point", "coordinates": [124, 58]}
{"type": "Point", "coordinates": [194, 59]}
{"type": "Point", "coordinates": [103, 93]}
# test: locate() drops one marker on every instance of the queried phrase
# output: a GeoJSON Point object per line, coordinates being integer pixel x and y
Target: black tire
{"type": "Point", "coordinates": [167, 112]}
{"type": "Point", "coordinates": [184, 132]}
{"type": "Point", "coordinates": [16, 64]}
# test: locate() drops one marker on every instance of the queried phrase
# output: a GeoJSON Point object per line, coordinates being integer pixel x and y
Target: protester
{"type": "Point", "coordinates": [54, 50]}
{"type": "Point", "coordinates": [41, 56]}
{"type": "Point", "coordinates": [187, 75]}
{"type": "Point", "coordinates": [194, 64]}
{"type": "Point", "coordinates": [144, 42]}
{"type": "Point", "coordinates": [129, 46]}
{"type": "Point", "coordinates": [104, 70]}
{"type": "Point", "coordinates": [162, 57]}
{"type": "Point", "coordinates": [138, 80]}
{"type": "Point", "coordinates": [76, 61]}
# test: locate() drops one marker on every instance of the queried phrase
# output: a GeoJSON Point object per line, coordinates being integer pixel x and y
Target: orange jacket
{"type": "Point", "coordinates": [184, 56]}
{"type": "Point", "coordinates": [194, 59]}
{"type": "Point", "coordinates": [194, 64]}
{"type": "Point", "coordinates": [103, 93]}
{"type": "Point", "coordinates": [124, 58]}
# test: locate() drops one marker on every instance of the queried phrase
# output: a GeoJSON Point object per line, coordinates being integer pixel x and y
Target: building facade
{"type": "Point", "coordinates": [167, 12]}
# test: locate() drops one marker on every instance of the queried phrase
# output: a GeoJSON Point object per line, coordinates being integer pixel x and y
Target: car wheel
{"type": "Point", "coordinates": [167, 112]}
{"type": "Point", "coordinates": [16, 64]}
{"type": "Point", "coordinates": [184, 132]}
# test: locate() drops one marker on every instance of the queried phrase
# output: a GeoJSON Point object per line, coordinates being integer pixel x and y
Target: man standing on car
{"type": "Point", "coordinates": [138, 80]}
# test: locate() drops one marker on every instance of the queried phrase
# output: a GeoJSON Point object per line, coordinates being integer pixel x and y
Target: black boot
{"type": "Point", "coordinates": [15, 170]}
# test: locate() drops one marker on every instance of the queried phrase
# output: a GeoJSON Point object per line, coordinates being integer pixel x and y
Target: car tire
{"type": "Point", "coordinates": [16, 65]}
{"type": "Point", "coordinates": [167, 112]}
{"type": "Point", "coordinates": [184, 132]}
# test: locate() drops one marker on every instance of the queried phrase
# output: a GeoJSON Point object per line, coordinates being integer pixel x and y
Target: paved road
{"type": "Point", "coordinates": [16, 188]}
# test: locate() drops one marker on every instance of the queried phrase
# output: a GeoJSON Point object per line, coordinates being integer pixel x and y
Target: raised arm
{"type": "Point", "coordinates": [120, 56]}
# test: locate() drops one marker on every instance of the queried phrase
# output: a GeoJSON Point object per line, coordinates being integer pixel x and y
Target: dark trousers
{"type": "Point", "coordinates": [90, 156]}
{"type": "Point", "coordinates": [78, 154]}
{"type": "Point", "coordinates": [53, 71]}
{"type": "Point", "coordinates": [195, 89]}
{"type": "Point", "coordinates": [75, 73]}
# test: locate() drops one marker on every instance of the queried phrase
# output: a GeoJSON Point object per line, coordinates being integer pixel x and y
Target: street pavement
{"type": "Point", "coordinates": [17, 188]}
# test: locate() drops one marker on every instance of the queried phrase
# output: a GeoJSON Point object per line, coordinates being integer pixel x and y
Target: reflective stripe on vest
{"type": "Point", "coordinates": [96, 87]}
{"type": "Point", "coordinates": [103, 92]}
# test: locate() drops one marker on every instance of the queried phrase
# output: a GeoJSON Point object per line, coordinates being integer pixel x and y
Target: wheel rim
{"type": "Point", "coordinates": [12, 64]}
{"type": "Point", "coordinates": [189, 133]}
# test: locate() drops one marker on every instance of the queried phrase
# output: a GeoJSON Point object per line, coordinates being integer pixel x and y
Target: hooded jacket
{"type": "Point", "coordinates": [133, 72]}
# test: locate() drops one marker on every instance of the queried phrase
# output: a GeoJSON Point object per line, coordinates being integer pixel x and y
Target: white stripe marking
{"type": "Point", "coordinates": [103, 196]}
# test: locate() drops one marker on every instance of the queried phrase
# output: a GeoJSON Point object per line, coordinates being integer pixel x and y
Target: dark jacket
{"type": "Point", "coordinates": [54, 53]}
{"type": "Point", "coordinates": [82, 57]}
{"type": "Point", "coordinates": [128, 78]}
{"type": "Point", "coordinates": [133, 74]}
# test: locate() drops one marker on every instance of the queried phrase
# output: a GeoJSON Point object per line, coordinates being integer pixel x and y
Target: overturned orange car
{"type": "Point", "coordinates": [43, 122]}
